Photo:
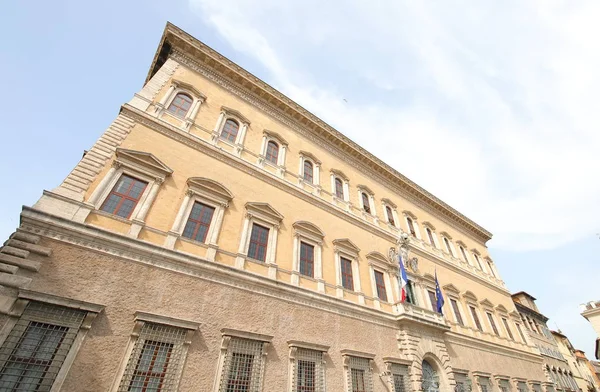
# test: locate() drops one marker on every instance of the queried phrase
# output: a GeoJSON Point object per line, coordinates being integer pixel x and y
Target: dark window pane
{"type": "Point", "coordinates": [230, 130]}
{"type": "Point", "coordinates": [258, 242]}
{"type": "Point", "coordinates": [456, 311]}
{"type": "Point", "coordinates": [272, 152]}
{"type": "Point", "coordinates": [358, 380]}
{"type": "Point", "coordinates": [198, 223]}
{"type": "Point", "coordinates": [365, 201]}
{"type": "Point", "coordinates": [307, 257]}
{"type": "Point", "coordinates": [380, 283]}
{"type": "Point", "coordinates": [308, 171]}
{"type": "Point", "coordinates": [124, 197]}
{"type": "Point", "coordinates": [180, 105]}
{"type": "Point", "coordinates": [390, 215]}
{"type": "Point", "coordinates": [347, 280]}
{"type": "Point", "coordinates": [339, 188]}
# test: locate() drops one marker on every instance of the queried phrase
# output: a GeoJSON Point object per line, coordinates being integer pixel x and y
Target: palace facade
{"type": "Point", "coordinates": [220, 237]}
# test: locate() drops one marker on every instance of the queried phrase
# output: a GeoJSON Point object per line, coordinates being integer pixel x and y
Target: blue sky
{"type": "Point", "coordinates": [491, 106]}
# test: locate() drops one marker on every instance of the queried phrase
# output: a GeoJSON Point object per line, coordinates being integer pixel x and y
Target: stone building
{"type": "Point", "coordinates": [566, 349]}
{"type": "Point", "coordinates": [556, 366]}
{"type": "Point", "coordinates": [219, 237]}
{"type": "Point", "coordinates": [588, 371]}
{"type": "Point", "coordinates": [591, 311]}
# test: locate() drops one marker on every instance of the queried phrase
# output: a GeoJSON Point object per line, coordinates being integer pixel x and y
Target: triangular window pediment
{"type": "Point", "coordinates": [143, 161]}
{"type": "Point", "coordinates": [264, 211]}
{"type": "Point", "coordinates": [501, 308]}
{"type": "Point", "coordinates": [378, 258]}
{"type": "Point", "coordinates": [469, 295]}
{"type": "Point", "coordinates": [450, 288]}
{"type": "Point", "coordinates": [487, 303]}
{"type": "Point", "coordinates": [346, 245]}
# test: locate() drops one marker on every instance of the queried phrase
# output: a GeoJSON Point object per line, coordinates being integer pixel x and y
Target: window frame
{"type": "Point", "coordinates": [178, 87]}
{"type": "Point", "coordinates": [344, 248]}
{"type": "Point", "coordinates": [492, 323]}
{"type": "Point", "coordinates": [456, 311]}
{"type": "Point", "coordinates": [19, 310]}
{"type": "Point", "coordinates": [316, 165]}
{"type": "Point", "coordinates": [211, 193]}
{"type": "Point", "coordinates": [228, 335]}
{"type": "Point", "coordinates": [350, 359]}
{"type": "Point", "coordinates": [336, 174]}
{"type": "Point", "coordinates": [264, 215]}
{"type": "Point", "coordinates": [389, 207]}
{"type": "Point", "coordinates": [378, 263]}
{"type": "Point", "coordinates": [296, 349]}
{"type": "Point", "coordinates": [138, 164]}
{"type": "Point", "coordinates": [124, 196]}
{"type": "Point", "coordinates": [231, 114]}
{"type": "Point", "coordinates": [172, 103]}
{"type": "Point", "coordinates": [188, 329]}
{"type": "Point", "coordinates": [310, 234]}
{"type": "Point", "coordinates": [365, 193]}
{"type": "Point", "coordinates": [282, 145]}
{"type": "Point", "coordinates": [410, 220]}
{"type": "Point", "coordinates": [260, 229]}
{"type": "Point", "coordinates": [476, 320]}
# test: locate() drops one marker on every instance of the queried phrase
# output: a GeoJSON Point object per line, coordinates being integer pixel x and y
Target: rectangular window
{"type": "Point", "coordinates": [124, 196]}
{"type": "Point", "coordinates": [508, 331]}
{"type": "Point", "coordinates": [456, 311]}
{"type": "Point", "coordinates": [475, 318]}
{"type": "Point", "coordinates": [37, 346]}
{"type": "Point", "coordinates": [461, 382]}
{"type": "Point", "coordinates": [521, 333]}
{"type": "Point", "coordinates": [259, 239]}
{"type": "Point", "coordinates": [198, 223]}
{"type": "Point", "coordinates": [309, 371]}
{"type": "Point", "coordinates": [307, 259]}
{"type": "Point", "coordinates": [484, 384]}
{"type": "Point", "coordinates": [243, 366]}
{"type": "Point", "coordinates": [380, 283]}
{"type": "Point", "coordinates": [156, 359]}
{"type": "Point", "coordinates": [347, 279]}
{"type": "Point", "coordinates": [410, 293]}
{"type": "Point", "coordinates": [400, 378]}
{"type": "Point", "coordinates": [432, 300]}
{"type": "Point", "coordinates": [492, 323]}
{"type": "Point", "coordinates": [361, 379]}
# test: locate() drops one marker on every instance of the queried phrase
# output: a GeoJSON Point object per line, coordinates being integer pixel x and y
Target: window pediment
{"type": "Point", "coordinates": [487, 258]}
{"type": "Point", "coordinates": [310, 156]}
{"type": "Point", "coordinates": [305, 227]}
{"type": "Point", "coordinates": [275, 136]}
{"type": "Point", "coordinates": [389, 202]}
{"type": "Point", "coordinates": [346, 245]}
{"type": "Point", "coordinates": [235, 114]}
{"type": "Point", "coordinates": [340, 174]}
{"type": "Point", "coordinates": [470, 296]}
{"type": "Point", "coordinates": [445, 234]}
{"type": "Point", "coordinates": [450, 288]}
{"type": "Point", "coordinates": [501, 308]}
{"type": "Point", "coordinates": [142, 161]}
{"type": "Point", "coordinates": [265, 212]}
{"type": "Point", "coordinates": [188, 87]}
{"type": "Point", "coordinates": [428, 278]}
{"type": "Point", "coordinates": [486, 302]}
{"type": "Point", "coordinates": [366, 189]}
{"type": "Point", "coordinates": [378, 259]}
{"type": "Point", "coordinates": [476, 252]}
{"type": "Point", "coordinates": [428, 224]}
{"type": "Point", "coordinates": [409, 214]}
{"type": "Point", "coordinates": [460, 243]}
{"type": "Point", "coordinates": [210, 188]}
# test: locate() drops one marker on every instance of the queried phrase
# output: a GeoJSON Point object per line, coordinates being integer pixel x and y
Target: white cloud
{"type": "Point", "coordinates": [491, 106]}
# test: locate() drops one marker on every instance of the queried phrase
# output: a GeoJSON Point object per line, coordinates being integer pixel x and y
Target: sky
{"type": "Point", "coordinates": [492, 106]}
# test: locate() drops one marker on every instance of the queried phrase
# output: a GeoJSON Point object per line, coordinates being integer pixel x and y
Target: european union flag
{"type": "Point", "coordinates": [439, 298]}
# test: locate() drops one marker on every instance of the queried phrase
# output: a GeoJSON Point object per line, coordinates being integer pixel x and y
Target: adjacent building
{"type": "Point", "coordinates": [220, 237]}
{"type": "Point", "coordinates": [591, 311]}
{"type": "Point", "coordinates": [556, 366]}
{"type": "Point", "coordinates": [580, 375]}
{"type": "Point", "coordinates": [588, 371]}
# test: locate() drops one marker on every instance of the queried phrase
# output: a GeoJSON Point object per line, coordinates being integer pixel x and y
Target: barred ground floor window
{"type": "Point", "coordinates": [359, 374]}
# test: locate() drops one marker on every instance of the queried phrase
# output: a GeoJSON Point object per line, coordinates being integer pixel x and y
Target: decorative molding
{"type": "Point", "coordinates": [354, 353]}
{"type": "Point", "coordinates": [277, 137]}
{"type": "Point", "coordinates": [389, 202]}
{"type": "Point", "coordinates": [160, 319]}
{"type": "Point", "coordinates": [195, 55]}
{"type": "Point", "coordinates": [428, 224]}
{"type": "Point", "coordinates": [189, 87]}
{"type": "Point", "coordinates": [308, 228]}
{"type": "Point", "coordinates": [136, 159]}
{"type": "Point", "coordinates": [340, 174]}
{"type": "Point", "coordinates": [310, 156]}
{"type": "Point", "coordinates": [235, 113]}
{"type": "Point", "coordinates": [61, 301]}
{"type": "Point", "coordinates": [345, 244]}
{"type": "Point", "coordinates": [307, 345]}
{"type": "Point", "coordinates": [246, 335]}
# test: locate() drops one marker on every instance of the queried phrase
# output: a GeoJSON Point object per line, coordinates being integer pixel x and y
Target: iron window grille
{"type": "Point", "coordinates": [198, 222]}
{"type": "Point", "coordinates": [308, 371]}
{"type": "Point", "coordinates": [400, 378]}
{"type": "Point", "coordinates": [124, 196]}
{"type": "Point", "coordinates": [37, 346]}
{"type": "Point", "coordinates": [156, 360]}
{"type": "Point", "coordinates": [243, 366]}
{"type": "Point", "coordinates": [360, 377]}
{"type": "Point", "coordinates": [307, 259]}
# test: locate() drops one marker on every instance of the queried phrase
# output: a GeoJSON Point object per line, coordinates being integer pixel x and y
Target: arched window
{"type": "Point", "coordinates": [365, 201]}
{"type": "Point", "coordinates": [431, 380]}
{"type": "Point", "coordinates": [180, 105]}
{"type": "Point", "coordinates": [339, 188]}
{"type": "Point", "coordinates": [489, 263]}
{"type": "Point", "coordinates": [478, 261]}
{"type": "Point", "coordinates": [464, 254]}
{"type": "Point", "coordinates": [390, 215]}
{"type": "Point", "coordinates": [411, 227]}
{"type": "Point", "coordinates": [272, 152]}
{"type": "Point", "coordinates": [230, 130]}
{"type": "Point", "coordinates": [430, 235]}
{"type": "Point", "coordinates": [447, 243]}
{"type": "Point", "coordinates": [308, 171]}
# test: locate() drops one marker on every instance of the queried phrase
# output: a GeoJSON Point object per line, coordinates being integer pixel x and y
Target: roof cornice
{"type": "Point", "coordinates": [175, 40]}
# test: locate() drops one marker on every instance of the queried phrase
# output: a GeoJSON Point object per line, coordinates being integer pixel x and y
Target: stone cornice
{"type": "Point", "coordinates": [196, 55]}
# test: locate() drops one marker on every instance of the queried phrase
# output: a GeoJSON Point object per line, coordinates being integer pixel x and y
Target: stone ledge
{"type": "Point", "coordinates": [19, 262]}
{"type": "Point", "coordinates": [9, 269]}
{"type": "Point", "coordinates": [25, 237]}
{"type": "Point", "coordinates": [16, 252]}
{"type": "Point", "coordinates": [37, 249]}
{"type": "Point", "coordinates": [14, 281]}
